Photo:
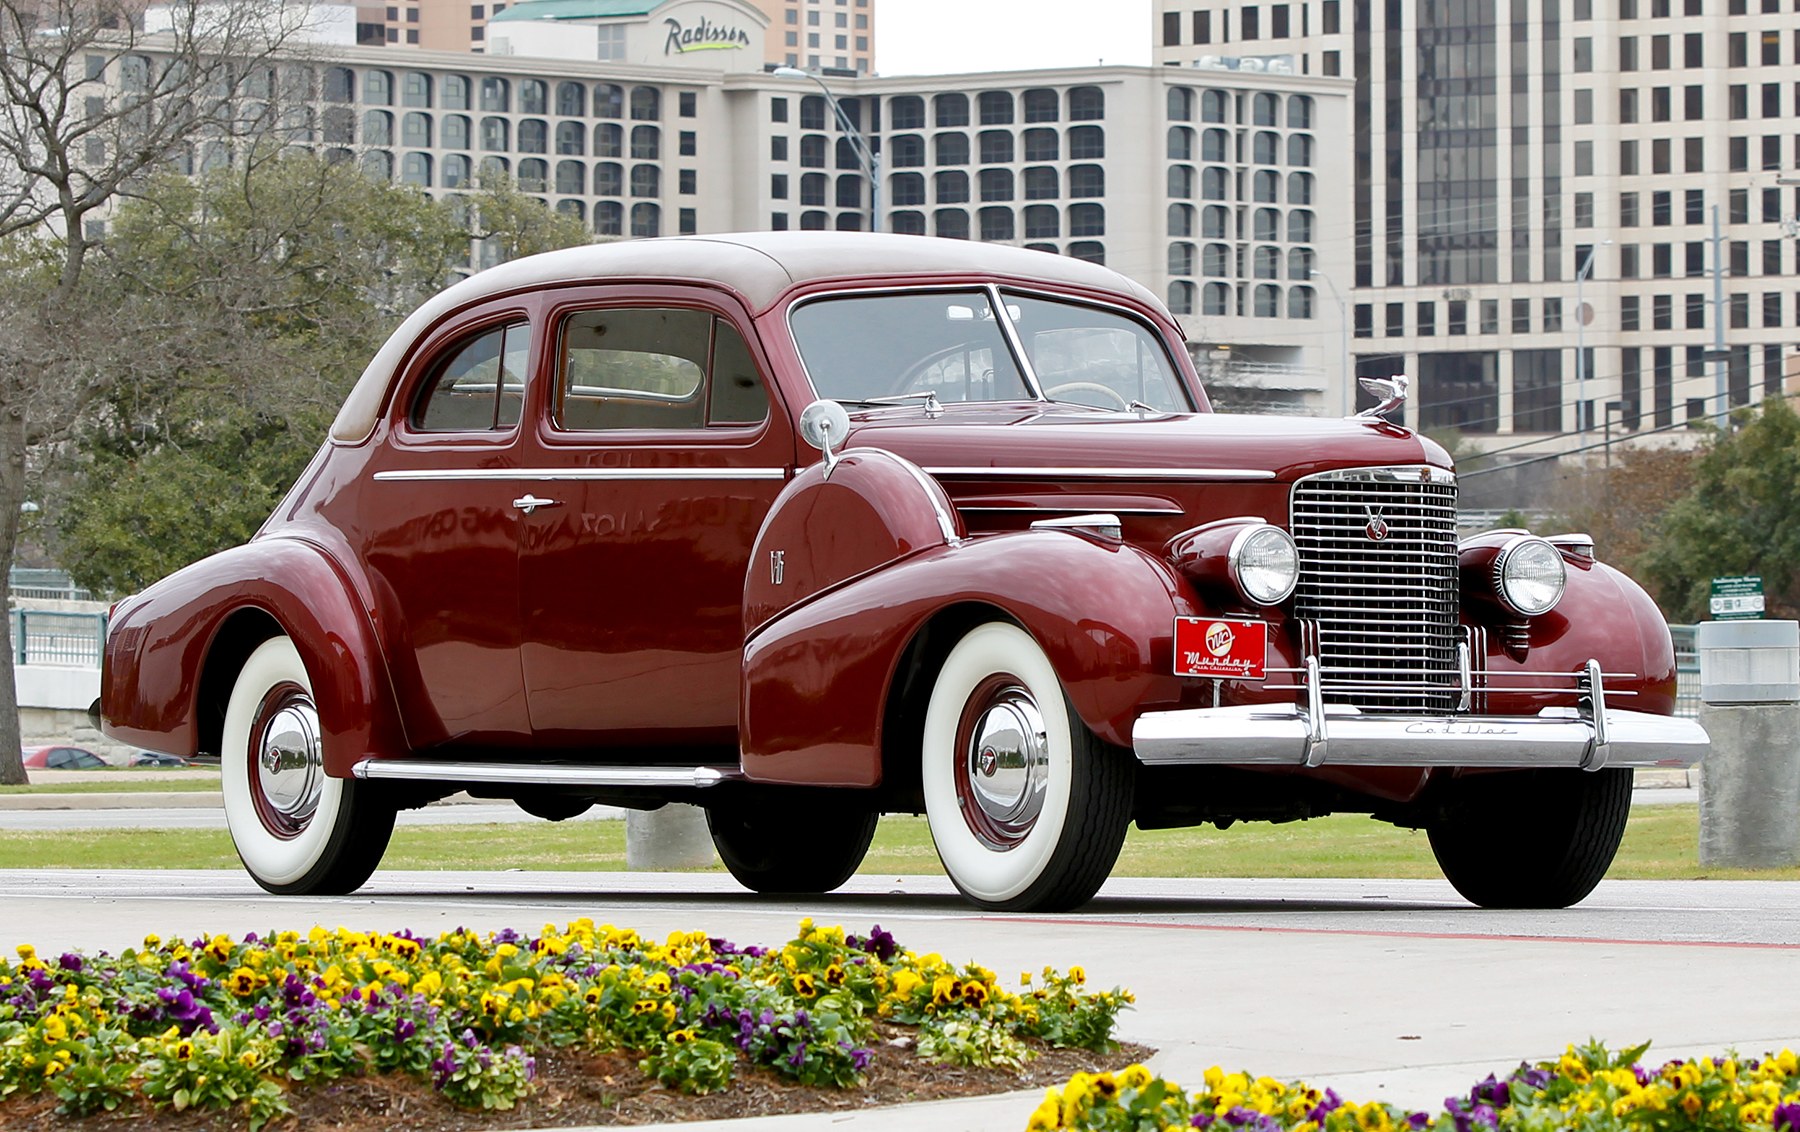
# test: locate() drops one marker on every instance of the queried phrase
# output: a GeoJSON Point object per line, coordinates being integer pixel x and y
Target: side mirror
{"type": "Point", "coordinates": [825, 425]}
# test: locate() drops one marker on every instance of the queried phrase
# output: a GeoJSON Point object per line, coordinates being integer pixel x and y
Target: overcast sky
{"type": "Point", "coordinates": [915, 37]}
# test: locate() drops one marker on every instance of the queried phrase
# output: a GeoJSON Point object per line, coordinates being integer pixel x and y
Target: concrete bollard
{"type": "Point", "coordinates": [1750, 707]}
{"type": "Point", "coordinates": [668, 839]}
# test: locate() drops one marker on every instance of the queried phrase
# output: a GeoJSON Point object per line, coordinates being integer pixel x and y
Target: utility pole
{"type": "Point", "coordinates": [1718, 351]}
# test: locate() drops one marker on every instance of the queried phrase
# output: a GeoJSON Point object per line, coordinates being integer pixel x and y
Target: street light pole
{"type": "Point", "coordinates": [866, 157]}
{"type": "Point", "coordinates": [1582, 422]}
{"type": "Point", "coordinates": [1347, 378]}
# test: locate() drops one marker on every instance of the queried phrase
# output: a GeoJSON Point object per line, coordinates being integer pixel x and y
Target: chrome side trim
{"type": "Point", "coordinates": [585, 474]}
{"type": "Point", "coordinates": [1281, 735]}
{"type": "Point", "coordinates": [946, 521]}
{"type": "Point", "coordinates": [1098, 523]}
{"type": "Point", "coordinates": [544, 774]}
{"type": "Point", "coordinates": [1190, 474]}
{"type": "Point", "coordinates": [996, 509]}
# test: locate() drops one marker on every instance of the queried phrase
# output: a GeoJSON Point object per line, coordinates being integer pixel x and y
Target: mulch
{"type": "Point", "coordinates": [577, 1089]}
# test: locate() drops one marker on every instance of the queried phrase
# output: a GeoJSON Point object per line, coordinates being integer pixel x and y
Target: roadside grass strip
{"type": "Point", "coordinates": [1589, 1089]}
{"type": "Point", "coordinates": [213, 1022]}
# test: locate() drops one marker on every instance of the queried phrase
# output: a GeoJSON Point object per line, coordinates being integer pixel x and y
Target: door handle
{"type": "Point", "coordinates": [529, 503]}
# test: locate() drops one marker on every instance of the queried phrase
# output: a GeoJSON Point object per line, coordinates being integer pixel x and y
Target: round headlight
{"type": "Point", "coordinates": [1529, 576]}
{"type": "Point", "coordinates": [1264, 564]}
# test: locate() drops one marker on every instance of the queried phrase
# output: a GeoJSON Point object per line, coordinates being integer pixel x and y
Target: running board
{"type": "Point", "coordinates": [541, 774]}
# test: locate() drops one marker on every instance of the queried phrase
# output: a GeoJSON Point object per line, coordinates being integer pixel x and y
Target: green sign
{"type": "Point", "coordinates": [1738, 598]}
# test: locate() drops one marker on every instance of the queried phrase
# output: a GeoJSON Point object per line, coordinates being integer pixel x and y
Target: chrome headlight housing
{"type": "Point", "coordinates": [1264, 564]}
{"type": "Point", "coordinates": [1529, 576]}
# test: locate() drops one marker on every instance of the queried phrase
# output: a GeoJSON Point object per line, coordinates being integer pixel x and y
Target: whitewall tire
{"type": "Point", "coordinates": [296, 829]}
{"type": "Point", "coordinates": [1027, 808]}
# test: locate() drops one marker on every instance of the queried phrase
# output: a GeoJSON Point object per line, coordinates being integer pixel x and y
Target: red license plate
{"type": "Point", "coordinates": [1221, 646]}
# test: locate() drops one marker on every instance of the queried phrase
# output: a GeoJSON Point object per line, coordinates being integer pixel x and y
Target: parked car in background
{"type": "Point", "coordinates": [62, 758]}
{"type": "Point", "coordinates": [157, 758]}
{"type": "Point", "coordinates": [810, 527]}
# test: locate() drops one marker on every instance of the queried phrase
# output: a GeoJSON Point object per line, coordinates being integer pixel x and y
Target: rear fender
{"type": "Point", "coordinates": [819, 678]}
{"type": "Point", "coordinates": [173, 652]}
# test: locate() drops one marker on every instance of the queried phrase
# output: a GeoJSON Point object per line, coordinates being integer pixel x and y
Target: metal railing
{"type": "Point", "coordinates": [1687, 671]}
{"type": "Point", "coordinates": [53, 585]}
{"type": "Point", "coordinates": [45, 637]}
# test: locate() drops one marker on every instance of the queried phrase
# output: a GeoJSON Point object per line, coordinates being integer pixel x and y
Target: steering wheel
{"type": "Point", "coordinates": [1088, 387]}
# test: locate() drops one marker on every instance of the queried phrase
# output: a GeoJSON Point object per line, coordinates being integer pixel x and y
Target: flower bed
{"type": "Point", "coordinates": [222, 1023]}
{"type": "Point", "coordinates": [1589, 1090]}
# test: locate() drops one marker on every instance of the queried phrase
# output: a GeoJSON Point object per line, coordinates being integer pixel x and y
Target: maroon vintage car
{"type": "Point", "coordinates": [807, 528]}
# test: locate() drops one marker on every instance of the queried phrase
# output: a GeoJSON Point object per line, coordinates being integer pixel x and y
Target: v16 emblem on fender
{"type": "Point", "coordinates": [1222, 647]}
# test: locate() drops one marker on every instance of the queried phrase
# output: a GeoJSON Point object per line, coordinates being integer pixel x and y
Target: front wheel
{"type": "Point", "coordinates": [771, 845]}
{"type": "Point", "coordinates": [1532, 839]}
{"type": "Point", "coordinates": [1028, 808]}
{"type": "Point", "coordinates": [297, 830]}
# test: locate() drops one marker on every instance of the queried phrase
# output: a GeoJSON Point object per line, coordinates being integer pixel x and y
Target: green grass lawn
{"type": "Point", "coordinates": [1660, 844]}
{"type": "Point", "coordinates": [121, 782]}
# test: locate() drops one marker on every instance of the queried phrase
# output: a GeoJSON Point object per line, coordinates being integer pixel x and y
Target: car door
{"type": "Point", "coordinates": [440, 534]}
{"type": "Point", "coordinates": [662, 451]}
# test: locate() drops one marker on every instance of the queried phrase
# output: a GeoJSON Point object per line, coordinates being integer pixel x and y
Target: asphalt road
{"type": "Point", "coordinates": [1391, 988]}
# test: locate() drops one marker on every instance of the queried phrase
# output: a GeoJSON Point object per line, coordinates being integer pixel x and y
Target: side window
{"type": "Point", "coordinates": [738, 396]}
{"type": "Point", "coordinates": [655, 368]}
{"type": "Point", "coordinates": [481, 387]}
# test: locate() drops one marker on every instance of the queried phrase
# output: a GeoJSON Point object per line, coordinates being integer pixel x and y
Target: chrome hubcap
{"type": "Point", "coordinates": [288, 763]}
{"type": "Point", "coordinates": [1005, 767]}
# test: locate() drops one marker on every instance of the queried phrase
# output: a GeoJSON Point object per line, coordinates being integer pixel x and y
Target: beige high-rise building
{"type": "Point", "coordinates": [821, 34]}
{"type": "Point", "coordinates": [432, 25]}
{"type": "Point", "coordinates": [834, 35]}
{"type": "Point", "coordinates": [1573, 219]}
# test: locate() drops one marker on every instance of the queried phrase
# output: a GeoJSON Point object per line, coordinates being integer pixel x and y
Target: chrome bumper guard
{"type": "Point", "coordinates": [1590, 737]}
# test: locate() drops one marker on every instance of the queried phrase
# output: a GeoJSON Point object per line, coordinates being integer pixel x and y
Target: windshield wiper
{"type": "Point", "coordinates": [933, 407]}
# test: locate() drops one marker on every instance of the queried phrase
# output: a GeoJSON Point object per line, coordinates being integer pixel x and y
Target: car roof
{"type": "Point", "coordinates": [759, 266]}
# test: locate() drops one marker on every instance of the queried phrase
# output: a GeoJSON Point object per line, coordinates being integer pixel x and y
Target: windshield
{"type": "Point", "coordinates": [894, 348]}
{"type": "Point", "coordinates": [869, 348]}
{"type": "Point", "coordinates": [1095, 357]}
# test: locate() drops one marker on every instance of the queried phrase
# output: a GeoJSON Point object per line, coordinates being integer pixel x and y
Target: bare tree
{"type": "Point", "coordinates": [98, 95]}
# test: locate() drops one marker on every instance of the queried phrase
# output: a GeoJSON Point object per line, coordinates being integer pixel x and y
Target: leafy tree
{"type": "Point", "coordinates": [93, 104]}
{"type": "Point", "coordinates": [511, 224]}
{"type": "Point", "coordinates": [1742, 516]}
{"type": "Point", "coordinates": [246, 303]}
{"type": "Point", "coordinates": [1622, 506]}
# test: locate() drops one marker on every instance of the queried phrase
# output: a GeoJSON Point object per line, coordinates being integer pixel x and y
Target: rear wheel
{"type": "Point", "coordinates": [772, 845]}
{"type": "Point", "coordinates": [1027, 807]}
{"type": "Point", "coordinates": [1532, 838]}
{"type": "Point", "coordinates": [297, 830]}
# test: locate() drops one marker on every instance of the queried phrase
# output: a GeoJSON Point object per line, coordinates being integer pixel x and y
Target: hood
{"type": "Point", "coordinates": [1035, 440]}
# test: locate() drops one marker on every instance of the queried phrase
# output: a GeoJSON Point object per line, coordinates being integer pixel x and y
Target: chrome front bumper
{"type": "Point", "coordinates": [1591, 737]}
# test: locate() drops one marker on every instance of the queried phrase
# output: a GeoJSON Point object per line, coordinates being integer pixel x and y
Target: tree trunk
{"type": "Point", "coordinates": [12, 493]}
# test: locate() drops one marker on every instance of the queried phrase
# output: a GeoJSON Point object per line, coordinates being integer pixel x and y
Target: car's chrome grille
{"type": "Point", "coordinates": [1380, 613]}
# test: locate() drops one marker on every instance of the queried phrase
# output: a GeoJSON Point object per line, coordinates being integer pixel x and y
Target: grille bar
{"type": "Point", "coordinates": [1382, 611]}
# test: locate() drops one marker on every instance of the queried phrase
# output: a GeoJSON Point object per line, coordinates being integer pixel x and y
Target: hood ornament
{"type": "Point", "coordinates": [1391, 391]}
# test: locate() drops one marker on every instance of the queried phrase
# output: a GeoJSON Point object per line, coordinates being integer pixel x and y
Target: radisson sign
{"type": "Point", "coordinates": [704, 36]}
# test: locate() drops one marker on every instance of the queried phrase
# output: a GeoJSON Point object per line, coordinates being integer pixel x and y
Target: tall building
{"type": "Point", "coordinates": [1215, 188]}
{"type": "Point", "coordinates": [1535, 193]}
{"type": "Point", "coordinates": [430, 25]}
{"type": "Point", "coordinates": [815, 34]}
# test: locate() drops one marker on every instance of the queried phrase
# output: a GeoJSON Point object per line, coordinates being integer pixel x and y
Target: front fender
{"type": "Point", "coordinates": [156, 689]}
{"type": "Point", "coordinates": [1605, 616]}
{"type": "Point", "coordinates": [817, 677]}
